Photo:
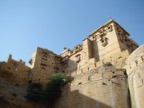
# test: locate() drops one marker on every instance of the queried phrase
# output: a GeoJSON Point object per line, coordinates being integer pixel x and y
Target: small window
{"type": "Point", "coordinates": [114, 76]}
{"type": "Point", "coordinates": [77, 58]}
{"type": "Point", "coordinates": [103, 83]}
{"type": "Point", "coordinates": [45, 55]}
{"type": "Point", "coordinates": [93, 37]}
{"type": "Point", "coordinates": [130, 66]}
{"type": "Point", "coordinates": [79, 83]}
{"type": "Point", "coordinates": [102, 40]}
{"type": "Point", "coordinates": [43, 59]}
{"type": "Point", "coordinates": [42, 64]}
{"type": "Point", "coordinates": [88, 68]}
{"type": "Point", "coordinates": [136, 62]}
{"type": "Point", "coordinates": [142, 58]}
{"type": "Point", "coordinates": [89, 77]}
{"type": "Point", "coordinates": [8, 68]}
{"type": "Point", "coordinates": [109, 28]}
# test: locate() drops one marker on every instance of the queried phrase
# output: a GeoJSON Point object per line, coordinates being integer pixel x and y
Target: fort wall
{"type": "Point", "coordinates": [135, 71]}
{"type": "Point", "coordinates": [102, 87]}
{"type": "Point", "coordinates": [99, 66]}
{"type": "Point", "coordinates": [15, 71]}
{"type": "Point", "coordinates": [43, 63]}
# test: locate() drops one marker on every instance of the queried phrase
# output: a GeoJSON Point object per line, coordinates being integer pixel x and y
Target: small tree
{"type": "Point", "coordinates": [52, 91]}
{"type": "Point", "coordinates": [54, 87]}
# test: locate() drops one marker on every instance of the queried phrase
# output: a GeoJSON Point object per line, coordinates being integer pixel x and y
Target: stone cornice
{"type": "Point", "coordinates": [104, 25]}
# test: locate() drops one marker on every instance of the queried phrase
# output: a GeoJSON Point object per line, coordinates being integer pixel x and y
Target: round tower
{"type": "Point", "coordinates": [135, 71]}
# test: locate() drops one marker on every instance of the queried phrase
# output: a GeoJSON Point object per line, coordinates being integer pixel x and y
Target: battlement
{"type": "Point", "coordinates": [14, 71]}
{"type": "Point", "coordinates": [68, 52]}
{"type": "Point", "coordinates": [14, 62]}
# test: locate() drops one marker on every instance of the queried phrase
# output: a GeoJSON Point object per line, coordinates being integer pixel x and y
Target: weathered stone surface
{"type": "Point", "coordinates": [94, 90]}
{"type": "Point", "coordinates": [135, 71]}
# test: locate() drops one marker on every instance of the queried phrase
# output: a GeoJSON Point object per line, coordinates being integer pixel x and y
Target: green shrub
{"type": "Point", "coordinates": [52, 91]}
{"type": "Point", "coordinates": [55, 84]}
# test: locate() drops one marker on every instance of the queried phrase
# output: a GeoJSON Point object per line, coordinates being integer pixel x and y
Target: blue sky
{"type": "Point", "coordinates": [55, 24]}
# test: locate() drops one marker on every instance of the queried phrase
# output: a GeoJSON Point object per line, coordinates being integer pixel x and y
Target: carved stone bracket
{"type": "Point", "coordinates": [102, 32]}
{"type": "Point", "coordinates": [128, 42]}
{"type": "Point", "coordinates": [109, 28]}
{"type": "Point", "coordinates": [123, 38]}
{"type": "Point", "coordinates": [104, 41]}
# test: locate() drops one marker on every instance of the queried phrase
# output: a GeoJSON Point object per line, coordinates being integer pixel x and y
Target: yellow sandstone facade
{"type": "Point", "coordinates": [106, 74]}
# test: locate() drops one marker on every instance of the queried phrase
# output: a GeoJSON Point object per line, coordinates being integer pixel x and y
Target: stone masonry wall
{"type": "Point", "coordinates": [43, 63]}
{"type": "Point", "coordinates": [135, 71]}
{"type": "Point", "coordinates": [102, 87]}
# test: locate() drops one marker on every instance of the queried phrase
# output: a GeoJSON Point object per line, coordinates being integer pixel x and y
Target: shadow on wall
{"type": "Point", "coordinates": [74, 99]}
{"type": "Point", "coordinates": [68, 65]}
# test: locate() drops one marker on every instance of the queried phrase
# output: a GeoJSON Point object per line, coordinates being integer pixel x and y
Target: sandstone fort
{"type": "Point", "coordinates": [108, 71]}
